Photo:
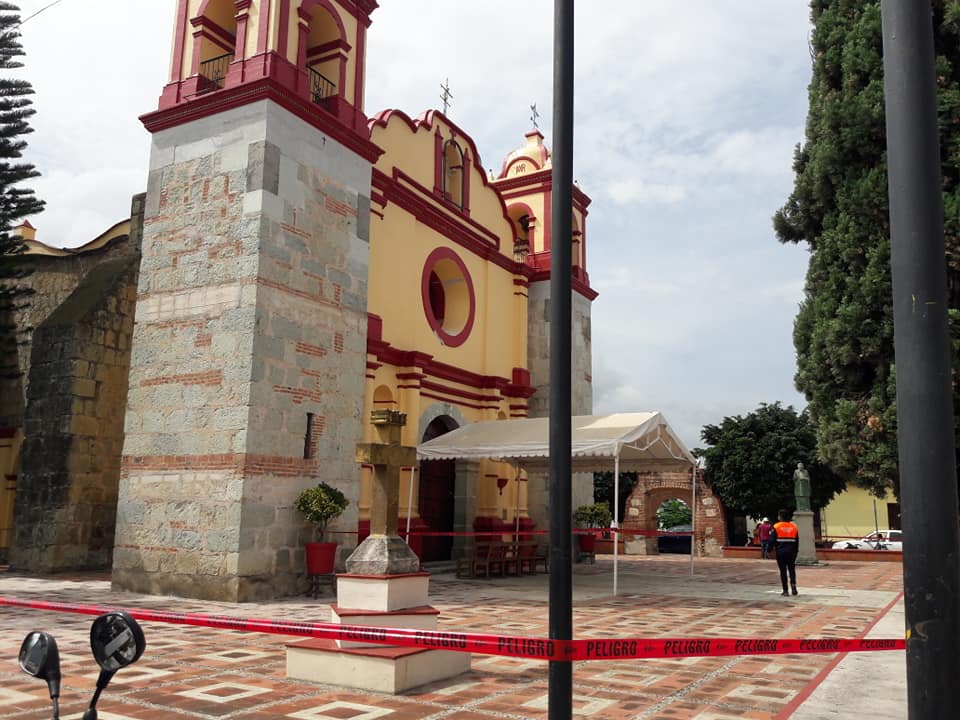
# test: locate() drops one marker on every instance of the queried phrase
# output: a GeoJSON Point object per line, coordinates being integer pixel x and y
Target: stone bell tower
{"type": "Point", "coordinates": [249, 349]}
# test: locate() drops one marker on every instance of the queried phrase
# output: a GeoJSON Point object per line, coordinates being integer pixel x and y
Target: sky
{"type": "Point", "coordinates": [686, 117]}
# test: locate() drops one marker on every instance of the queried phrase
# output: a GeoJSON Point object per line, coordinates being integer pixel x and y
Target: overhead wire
{"type": "Point", "coordinates": [45, 7]}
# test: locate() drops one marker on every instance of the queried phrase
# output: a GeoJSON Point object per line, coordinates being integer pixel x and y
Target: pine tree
{"type": "Point", "coordinates": [16, 202]}
{"type": "Point", "coordinates": [843, 333]}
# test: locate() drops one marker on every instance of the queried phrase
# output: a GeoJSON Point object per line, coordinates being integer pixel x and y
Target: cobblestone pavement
{"type": "Point", "coordinates": [189, 672]}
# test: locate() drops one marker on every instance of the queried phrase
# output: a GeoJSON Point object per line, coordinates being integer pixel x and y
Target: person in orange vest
{"type": "Point", "coordinates": [786, 541]}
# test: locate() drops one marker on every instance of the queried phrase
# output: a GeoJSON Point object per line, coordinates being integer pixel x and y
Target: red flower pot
{"type": "Point", "coordinates": [321, 558]}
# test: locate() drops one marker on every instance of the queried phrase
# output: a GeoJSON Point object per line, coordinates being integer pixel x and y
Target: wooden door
{"type": "Point", "coordinates": [436, 506]}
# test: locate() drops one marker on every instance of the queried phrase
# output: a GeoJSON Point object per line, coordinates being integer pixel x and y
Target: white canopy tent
{"type": "Point", "coordinates": [626, 441]}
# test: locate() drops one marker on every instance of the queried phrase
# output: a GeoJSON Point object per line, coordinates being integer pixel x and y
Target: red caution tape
{"type": "Point", "coordinates": [503, 645]}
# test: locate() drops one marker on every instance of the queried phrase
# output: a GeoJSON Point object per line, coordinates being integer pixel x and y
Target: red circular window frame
{"type": "Point", "coordinates": [436, 324]}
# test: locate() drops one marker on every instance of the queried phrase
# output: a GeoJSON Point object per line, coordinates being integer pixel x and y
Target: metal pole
{"type": "Point", "coordinates": [616, 518]}
{"type": "Point", "coordinates": [928, 479]}
{"type": "Point", "coordinates": [560, 673]}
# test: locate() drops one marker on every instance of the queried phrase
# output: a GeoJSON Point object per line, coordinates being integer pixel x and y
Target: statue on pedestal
{"type": "Point", "coordinates": [801, 488]}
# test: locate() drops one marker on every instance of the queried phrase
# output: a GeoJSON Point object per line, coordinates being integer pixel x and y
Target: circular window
{"type": "Point", "coordinates": [448, 299]}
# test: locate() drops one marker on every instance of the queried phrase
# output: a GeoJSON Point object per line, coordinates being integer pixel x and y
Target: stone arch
{"type": "Point", "coordinates": [653, 488]}
{"type": "Point", "coordinates": [437, 410]}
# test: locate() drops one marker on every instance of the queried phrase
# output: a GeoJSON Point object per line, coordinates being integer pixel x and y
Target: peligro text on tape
{"type": "Point", "coordinates": [504, 645]}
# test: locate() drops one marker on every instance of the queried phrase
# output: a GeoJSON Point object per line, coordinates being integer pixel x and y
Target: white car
{"type": "Point", "coordinates": [878, 540]}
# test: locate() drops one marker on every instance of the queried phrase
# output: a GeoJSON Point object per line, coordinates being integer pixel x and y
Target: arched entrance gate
{"type": "Point", "coordinates": [652, 488]}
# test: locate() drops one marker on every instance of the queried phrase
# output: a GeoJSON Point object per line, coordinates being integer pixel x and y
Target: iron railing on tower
{"type": "Point", "coordinates": [321, 88]}
{"type": "Point", "coordinates": [213, 73]}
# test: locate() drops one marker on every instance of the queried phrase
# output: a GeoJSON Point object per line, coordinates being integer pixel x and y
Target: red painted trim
{"type": "Point", "coordinates": [456, 392]}
{"type": "Point", "coordinates": [438, 184]}
{"type": "Point", "coordinates": [547, 221]}
{"type": "Point", "coordinates": [264, 29]}
{"type": "Point", "coordinates": [443, 253]}
{"type": "Point", "coordinates": [426, 121]}
{"type": "Point", "coordinates": [332, 47]}
{"type": "Point", "coordinates": [213, 31]}
{"type": "Point", "coordinates": [7, 432]}
{"type": "Point", "coordinates": [179, 40]}
{"type": "Point", "coordinates": [483, 233]}
{"type": "Point", "coordinates": [467, 161]}
{"type": "Point", "coordinates": [284, 35]}
{"type": "Point", "coordinates": [517, 388]}
{"type": "Point", "coordinates": [306, 12]}
{"type": "Point", "coordinates": [267, 88]}
{"type": "Point", "coordinates": [360, 61]}
{"type": "Point", "coordinates": [240, 51]}
{"type": "Point", "coordinates": [461, 403]}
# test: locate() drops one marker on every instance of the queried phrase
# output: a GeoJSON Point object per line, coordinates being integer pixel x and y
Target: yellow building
{"type": "Point", "coordinates": [855, 513]}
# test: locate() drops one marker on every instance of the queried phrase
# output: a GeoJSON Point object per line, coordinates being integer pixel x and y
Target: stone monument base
{"type": "Point", "coordinates": [395, 601]}
{"type": "Point", "coordinates": [383, 669]}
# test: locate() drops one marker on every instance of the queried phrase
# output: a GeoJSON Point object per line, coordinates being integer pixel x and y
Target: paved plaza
{"type": "Point", "coordinates": [189, 672]}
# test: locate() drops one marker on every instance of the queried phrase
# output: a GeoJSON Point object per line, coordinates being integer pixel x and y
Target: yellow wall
{"type": "Point", "coordinates": [851, 514]}
{"type": "Point", "coordinates": [399, 247]}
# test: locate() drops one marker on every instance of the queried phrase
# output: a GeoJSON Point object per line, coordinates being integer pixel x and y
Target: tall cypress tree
{"type": "Point", "coordinates": [843, 333]}
{"type": "Point", "coordinates": [16, 202]}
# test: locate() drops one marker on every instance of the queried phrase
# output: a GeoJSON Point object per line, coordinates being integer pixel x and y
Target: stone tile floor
{"type": "Point", "coordinates": [189, 672]}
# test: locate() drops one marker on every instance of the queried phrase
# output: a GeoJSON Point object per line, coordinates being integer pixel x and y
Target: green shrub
{"type": "Point", "coordinates": [320, 505]}
{"type": "Point", "coordinates": [593, 516]}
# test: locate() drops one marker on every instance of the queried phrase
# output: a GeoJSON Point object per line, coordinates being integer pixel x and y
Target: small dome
{"type": "Point", "coordinates": [532, 157]}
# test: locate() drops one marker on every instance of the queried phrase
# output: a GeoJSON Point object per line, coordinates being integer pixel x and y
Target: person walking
{"type": "Point", "coordinates": [786, 541]}
{"type": "Point", "coordinates": [765, 544]}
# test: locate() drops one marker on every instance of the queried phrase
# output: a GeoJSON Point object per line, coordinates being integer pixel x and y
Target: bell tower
{"type": "Point", "coordinates": [249, 347]}
{"type": "Point", "coordinates": [525, 182]}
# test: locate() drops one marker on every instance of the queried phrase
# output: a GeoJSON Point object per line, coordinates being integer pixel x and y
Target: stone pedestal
{"type": "Point", "coordinates": [383, 587]}
{"type": "Point", "coordinates": [807, 552]}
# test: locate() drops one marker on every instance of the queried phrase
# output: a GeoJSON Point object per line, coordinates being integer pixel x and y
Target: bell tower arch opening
{"type": "Point", "coordinates": [215, 43]}
{"type": "Point", "coordinates": [323, 49]}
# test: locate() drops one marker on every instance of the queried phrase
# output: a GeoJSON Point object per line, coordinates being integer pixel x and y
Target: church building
{"type": "Point", "coordinates": [301, 263]}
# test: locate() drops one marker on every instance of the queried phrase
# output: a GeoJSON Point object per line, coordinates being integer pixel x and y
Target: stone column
{"type": "Point", "coordinates": [807, 552]}
{"type": "Point", "coordinates": [384, 552]}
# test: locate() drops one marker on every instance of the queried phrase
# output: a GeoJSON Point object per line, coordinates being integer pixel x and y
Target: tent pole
{"type": "Point", "coordinates": [410, 502]}
{"type": "Point", "coordinates": [616, 518]}
{"type": "Point", "coordinates": [516, 516]}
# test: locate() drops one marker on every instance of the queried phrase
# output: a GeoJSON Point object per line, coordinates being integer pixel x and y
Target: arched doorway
{"type": "Point", "coordinates": [437, 495]}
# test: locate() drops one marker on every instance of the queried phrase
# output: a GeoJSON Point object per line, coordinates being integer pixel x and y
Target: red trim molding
{"type": "Point", "coordinates": [266, 88]}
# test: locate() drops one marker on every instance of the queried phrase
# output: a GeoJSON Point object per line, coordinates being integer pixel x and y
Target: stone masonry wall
{"type": "Point", "coordinates": [53, 279]}
{"type": "Point", "coordinates": [581, 388]}
{"type": "Point", "coordinates": [251, 313]}
{"type": "Point", "coordinates": [65, 502]}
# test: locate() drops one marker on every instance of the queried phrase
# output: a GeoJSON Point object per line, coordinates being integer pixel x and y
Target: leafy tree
{"type": "Point", "coordinates": [752, 458]}
{"type": "Point", "coordinates": [673, 512]}
{"type": "Point", "coordinates": [15, 202]}
{"type": "Point", "coordinates": [843, 333]}
{"type": "Point", "coordinates": [603, 489]}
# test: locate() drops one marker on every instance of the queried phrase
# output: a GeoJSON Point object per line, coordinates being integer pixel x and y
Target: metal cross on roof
{"type": "Point", "coordinates": [534, 116]}
{"type": "Point", "coordinates": [446, 96]}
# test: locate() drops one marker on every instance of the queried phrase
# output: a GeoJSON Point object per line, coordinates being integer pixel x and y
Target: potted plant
{"type": "Point", "coordinates": [591, 516]}
{"type": "Point", "coordinates": [321, 504]}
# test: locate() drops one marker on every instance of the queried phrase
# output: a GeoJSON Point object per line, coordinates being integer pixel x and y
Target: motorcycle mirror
{"type": "Point", "coordinates": [116, 640]}
{"type": "Point", "coordinates": [40, 658]}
